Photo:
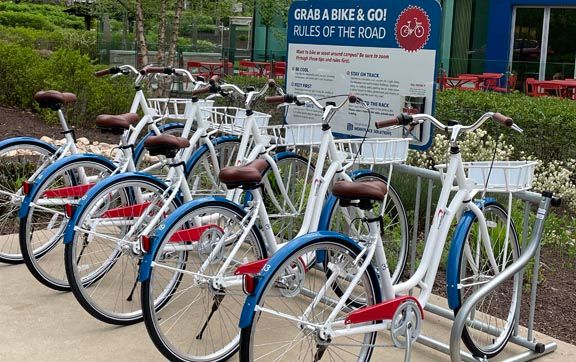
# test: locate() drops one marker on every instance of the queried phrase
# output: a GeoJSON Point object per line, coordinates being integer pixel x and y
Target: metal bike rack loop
{"type": "Point", "coordinates": [532, 250]}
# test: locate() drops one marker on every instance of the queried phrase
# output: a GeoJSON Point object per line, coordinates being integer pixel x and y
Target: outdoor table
{"type": "Point", "coordinates": [212, 68]}
{"type": "Point", "coordinates": [565, 87]}
{"type": "Point", "coordinates": [485, 81]}
{"type": "Point", "coordinates": [460, 81]}
{"type": "Point", "coordinates": [261, 67]}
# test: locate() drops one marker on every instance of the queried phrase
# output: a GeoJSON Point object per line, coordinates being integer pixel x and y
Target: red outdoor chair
{"type": "Point", "coordinates": [196, 69]}
{"type": "Point", "coordinates": [512, 79]}
{"type": "Point", "coordinates": [532, 88]}
{"type": "Point", "coordinates": [248, 68]}
{"type": "Point", "coordinates": [279, 70]}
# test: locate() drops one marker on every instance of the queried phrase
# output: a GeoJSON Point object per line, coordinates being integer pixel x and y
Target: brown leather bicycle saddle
{"type": "Point", "coordinates": [165, 144]}
{"type": "Point", "coordinates": [247, 177]}
{"type": "Point", "coordinates": [116, 122]}
{"type": "Point", "coordinates": [54, 99]}
{"type": "Point", "coordinates": [363, 191]}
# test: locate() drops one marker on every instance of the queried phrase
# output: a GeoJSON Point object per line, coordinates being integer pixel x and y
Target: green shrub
{"type": "Point", "coordinates": [35, 21]}
{"type": "Point", "coordinates": [549, 123]}
{"type": "Point", "coordinates": [24, 72]}
{"type": "Point", "coordinates": [38, 16]}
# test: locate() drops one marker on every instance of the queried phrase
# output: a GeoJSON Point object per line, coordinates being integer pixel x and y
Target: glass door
{"type": "Point", "coordinates": [527, 43]}
{"type": "Point", "coordinates": [561, 44]}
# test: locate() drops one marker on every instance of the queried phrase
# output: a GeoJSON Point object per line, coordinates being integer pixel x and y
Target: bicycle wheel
{"type": "Point", "coordinates": [42, 228]}
{"type": "Point", "coordinates": [348, 220]}
{"type": "Point", "coordinates": [153, 164]}
{"type": "Point", "coordinates": [201, 172]}
{"type": "Point", "coordinates": [20, 159]}
{"type": "Point", "coordinates": [102, 247]}
{"type": "Point", "coordinates": [491, 323]}
{"type": "Point", "coordinates": [293, 302]}
{"type": "Point", "coordinates": [198, 320]}
{"type": "Point", "coordinates": [296, 174]}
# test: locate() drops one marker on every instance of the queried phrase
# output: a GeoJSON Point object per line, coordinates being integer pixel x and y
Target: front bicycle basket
{"type": "Point", "coordinates": [499, 176]}
{"type": "Point", "coordinates": [374, 151]}
{"type": "Point", "coordinates": [175, 108]}
{"type": "Point", "coordinates": [231, 120]}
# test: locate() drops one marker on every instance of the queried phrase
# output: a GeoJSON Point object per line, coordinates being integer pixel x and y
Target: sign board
{"type": "Point", "coordinates": [382, 51]}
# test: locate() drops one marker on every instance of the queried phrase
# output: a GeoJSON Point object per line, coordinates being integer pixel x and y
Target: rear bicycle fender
{"type": "Point", "coordinates": [248, 312]}
{"type": "Point", "coordinates": [162, 230]}
{"type": "Point", "coordinates": [16, 140]}
{"type": "Point", "coordinates": [85, 200]}
{"type": "Point", "coordinates": [56, 166]}
{"type": "Point", "coordinates": [323, 224]}
{"type": "Point", "coordinates": [454, 260]}
{"type": "Point", "coordinates": [204, 148]}
{"type": "Point", "coordinates": [165, 127]}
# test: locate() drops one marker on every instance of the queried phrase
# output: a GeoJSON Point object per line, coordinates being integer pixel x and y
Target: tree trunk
{"type": "Point", "coordinates": [161, 34]}
{"type": "Point", "coordinates": [175, 32]}
{"type": "Point", "coordinates": [141, 47]}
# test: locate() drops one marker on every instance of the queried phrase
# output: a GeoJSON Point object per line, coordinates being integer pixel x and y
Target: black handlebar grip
{"type": "Point", "coordinates": [271, 83]}
{"type": "Point", "coordinates": [352, 98]}
{"type": "Point", "coordinates": [505, 120]}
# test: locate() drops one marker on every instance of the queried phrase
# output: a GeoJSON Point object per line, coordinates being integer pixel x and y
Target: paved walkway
{"type": "Point", "coordinates": [39, 324]}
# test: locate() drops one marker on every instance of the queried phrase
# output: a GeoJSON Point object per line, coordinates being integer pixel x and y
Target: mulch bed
{"type": "Point", "coordinates": [16, 122]}
{"type": "Point", "coordinates": [556, 299]}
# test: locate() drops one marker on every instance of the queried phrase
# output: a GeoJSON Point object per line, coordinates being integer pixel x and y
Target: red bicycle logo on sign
{"type": "Point", "coordinates": [412, 28]}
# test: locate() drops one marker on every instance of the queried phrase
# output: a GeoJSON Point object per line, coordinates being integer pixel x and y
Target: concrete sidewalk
{"type": "Point", "coordinates": [39, 324]}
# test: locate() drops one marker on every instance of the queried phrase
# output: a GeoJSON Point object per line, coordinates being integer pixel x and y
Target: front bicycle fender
{"type": "Point", "coordinates": [163, 128]}
{"type": "Point", "coordinates": [248, 312]}
{"type": "Point", "coordinates": [454, 260]}
{"type": "Point", "coordinates": [323, 224]}
{"type": "Point", "coordinates": [64, 162]}
{"type": "Point", "coordinates": [162, 231]}
{"type": "Point", "coordinates": [85, 200]}
{"type": "Point", "coordinates": [31, 140]}
{"type": "Point", "coordinates": [203, 149]}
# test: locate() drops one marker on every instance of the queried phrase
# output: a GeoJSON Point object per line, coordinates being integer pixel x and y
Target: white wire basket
{"type": "Point", "coordinates": [295, 134]}
{"type": "Point", "coordinates": [231, 120]}
{"type": "Point", "coordinates": [499, 176]}
{"type": "Point", "coordinates": [175, 108]}
{"type": "Point", "coordinates": [374, 150]}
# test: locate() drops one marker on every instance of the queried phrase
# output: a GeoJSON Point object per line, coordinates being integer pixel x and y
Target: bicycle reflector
{"type": "Point", "coordinates": [248, 284]}
{"type": "Point", "coordinates": [69, 209]}
{"type": "Point", "coordinates": [145, 243]}
{"type": "Point", "coordinates": [26, 187]}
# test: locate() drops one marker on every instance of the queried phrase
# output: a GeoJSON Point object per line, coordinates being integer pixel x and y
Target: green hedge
{"type": "Point", "coordinates": [24, 72]}
{"type": "Point", "coordinates": [81, 40]}
{"type": "Point", "coordinates": [38, 16]}
{"type": "Point", "coordinates": [549, 123]}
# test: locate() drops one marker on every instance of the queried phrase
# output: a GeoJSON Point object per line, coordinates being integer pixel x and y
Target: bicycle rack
{"type": "Point", "coordinates": [529, 250]}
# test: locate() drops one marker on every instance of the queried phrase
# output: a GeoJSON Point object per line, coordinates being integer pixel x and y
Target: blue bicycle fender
{"type": "Point", "coordinates": [15, 140]}
{"type": "Point", "coordinates": [323, 224]}
{"type": "Point", "coordinates": [165, 127]}
{"type": "Point", "coordinates": [204, 148]}
{"type": "Point", "coordinates": [162, 230]}
{"type": "Point", "coordinates": [69, 232]}
{"type": "Point", "coordinates": [25, 207]}
{"type": "Point", "coordinates": [274, 262]}
{"type": "Point", "coordinates": [454, 261]}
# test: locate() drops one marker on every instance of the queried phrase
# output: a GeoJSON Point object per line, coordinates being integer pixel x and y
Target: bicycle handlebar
{"type": "Point", "coordinates": [122, 69]}
{"type": "Point", "coordinates": [407, 119]}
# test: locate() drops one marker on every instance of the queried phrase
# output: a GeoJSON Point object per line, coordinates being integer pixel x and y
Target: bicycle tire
{"type": "Point", "coordinates": [174, 327]}
{"type": "Point", "coordinates": [43, 223]}
{"type": "Point", "coordinates": [142, 155]}
{"type": "Point", "coordinates": [97, 268]}
{"type": "Point", "coordinates": [347, 220]}
{"type": "Point", "coordinates": [502, 303]}
{"type": "Point", "coordinates": [297, 173]}
{"type": "Point", "coordinates": [283, 286]}
{"type": "Point", "coordinates": [200, 171]}
{"type": "Point", "coordinates": [21, 165]}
